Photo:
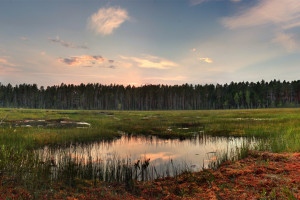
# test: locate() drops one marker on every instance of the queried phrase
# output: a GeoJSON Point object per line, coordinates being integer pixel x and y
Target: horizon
{"type": "Point", "coordinates": [158, 84]}
{"type": "Point", "coordinates": [148, 42]}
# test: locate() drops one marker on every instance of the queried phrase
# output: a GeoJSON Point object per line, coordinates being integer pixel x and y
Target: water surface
{"type": "Point", "coordinates": [192, 154]}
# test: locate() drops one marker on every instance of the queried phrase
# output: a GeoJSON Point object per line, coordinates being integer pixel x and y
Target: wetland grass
{"type": "Point", "coordinates": [278, 130]}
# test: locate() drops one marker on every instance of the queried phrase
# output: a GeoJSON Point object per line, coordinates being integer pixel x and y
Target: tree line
{"type": "Point", "coordinates": [153, 97]}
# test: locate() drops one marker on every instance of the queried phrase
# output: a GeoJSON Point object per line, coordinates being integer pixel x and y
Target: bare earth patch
{"type": "Point", "coordinates": [52, 123]}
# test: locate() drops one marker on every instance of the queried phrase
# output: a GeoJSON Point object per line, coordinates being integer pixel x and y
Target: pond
{"type": "Point", "coordinates": [168, 157]}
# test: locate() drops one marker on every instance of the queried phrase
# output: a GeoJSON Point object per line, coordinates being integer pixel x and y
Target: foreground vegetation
{"type": "Point", "coordinates": [259, 176]}
{"type": "Point", "coordinates": [23, 130]}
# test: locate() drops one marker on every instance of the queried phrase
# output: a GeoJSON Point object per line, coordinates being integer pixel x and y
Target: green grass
{"type": "Point", "coordinates": [282, 125]}
{"type": "Point", "coordinates": [278, 130]}
{"type": "Point", "coordinates": [279, 127]}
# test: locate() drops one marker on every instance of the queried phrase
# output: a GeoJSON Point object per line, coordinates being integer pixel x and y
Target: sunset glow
{"type": "Point", "coordinates": [148, 42]}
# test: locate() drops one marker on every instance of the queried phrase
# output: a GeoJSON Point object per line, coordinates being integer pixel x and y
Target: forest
{"type": "Point", "coordinates": [241, 95]}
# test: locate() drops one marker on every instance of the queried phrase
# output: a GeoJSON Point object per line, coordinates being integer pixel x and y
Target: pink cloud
{"type": "Point", "coordinates": [6, 66]}
{"type": "Point", "coordinates": [106, 20]}
{"type": "Point", "coordinates": [148, 61]}
{"type": "Point", "coordinates": [207, 60]}
{"type": "Point", "coordinates": [286, 40]}
{"type": "Point", "coordinates": [276, 12]}
{"type": "Point", "coordinates": [82, 60]}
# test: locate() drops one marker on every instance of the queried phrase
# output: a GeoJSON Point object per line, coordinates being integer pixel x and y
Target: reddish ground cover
{"type": "Point", "coordinates": [261, 175]}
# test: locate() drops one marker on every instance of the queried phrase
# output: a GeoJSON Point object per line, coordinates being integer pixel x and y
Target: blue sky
{"type": "Point", "coordinates": [148, 41]}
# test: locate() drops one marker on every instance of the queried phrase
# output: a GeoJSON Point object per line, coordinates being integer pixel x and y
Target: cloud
{"type": "Point", "coordinates": [4, 61]}
{"type": "Point", "coordinates": [207, 60]}
{"type": "Point", "coordinates": [24, 38]}
{"type": "Point", "coordinates": [5, 70]}
{"type": "Point", "coordinates": [175, 78]}
{"type": "Point", "coordinates": [112, 67]}
{"type": "Point", "coordinates": [291, 25]}
{"type": "Point", "coordinates": [82, 60]}
{"type": "Point", "coordinates": [148, 61]}
{"type": "Point", "coordinates": [284, 14]}
{"type": "Point", "coordinates": [278, 16]}
{"type": "Point", "coordinates": [43, 53]}
{"type": "Point", "coordinates": [106, 20]}
{"type": "Point", "coordinates": [203, 59]}
{"type": "Point", "coordinates": [67, 44]}
{"type": "Point", "coordinates": [197, 2]}
{"type": "Point", "coordinates": [89, 61]}
{"type": "Point", "coordinates": [286, 40]}
{"type": "Point", "coordinates": [6, 66]}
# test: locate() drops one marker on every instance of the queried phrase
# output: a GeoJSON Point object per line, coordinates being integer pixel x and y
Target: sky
{"type": "Point", "coordinates": [137, 42]}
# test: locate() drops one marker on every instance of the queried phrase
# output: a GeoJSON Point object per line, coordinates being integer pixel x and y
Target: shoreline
{"type": "Point", "coordinates": [261, 175]}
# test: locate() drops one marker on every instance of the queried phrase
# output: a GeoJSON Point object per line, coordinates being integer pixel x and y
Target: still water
{"type": "Point", "coordinates": [192, 154]}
